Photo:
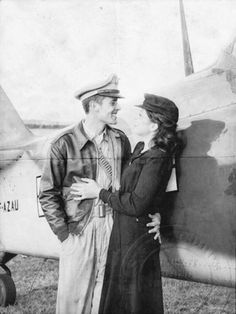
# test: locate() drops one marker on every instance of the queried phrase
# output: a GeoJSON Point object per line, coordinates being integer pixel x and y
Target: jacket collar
{"type": "Point", "coordinates": [113, 131]}
{"type": "Point", "coordinates": [82, 137]}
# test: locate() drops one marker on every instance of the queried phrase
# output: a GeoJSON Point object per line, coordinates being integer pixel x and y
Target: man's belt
{"type": "Point", "coordinates": [101, 210]}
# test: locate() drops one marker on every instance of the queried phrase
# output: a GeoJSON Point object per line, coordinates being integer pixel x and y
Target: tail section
{"type": "Point", "coordinates": [13, 132]}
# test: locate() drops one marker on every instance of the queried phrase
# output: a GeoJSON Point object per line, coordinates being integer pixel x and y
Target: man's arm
{"type": "Point", "coordinates": [51, 192]}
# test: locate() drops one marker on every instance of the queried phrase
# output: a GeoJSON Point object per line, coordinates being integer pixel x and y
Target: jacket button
{"type": "Point", "coordinates": [136, 219]}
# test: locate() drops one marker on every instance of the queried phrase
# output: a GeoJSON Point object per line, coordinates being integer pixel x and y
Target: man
{"type": "Point", "coordinates": [92, 149]}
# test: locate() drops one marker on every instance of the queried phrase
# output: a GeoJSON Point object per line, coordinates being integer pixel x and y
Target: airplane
{"type": "Point", "coordinates": [198, 223]}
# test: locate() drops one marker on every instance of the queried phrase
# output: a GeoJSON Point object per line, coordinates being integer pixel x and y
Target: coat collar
{"type": "Point", "coordinates": [82, 137]}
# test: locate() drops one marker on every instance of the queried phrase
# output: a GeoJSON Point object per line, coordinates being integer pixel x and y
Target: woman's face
{"type": "Point", "coordinates": [142, 125]}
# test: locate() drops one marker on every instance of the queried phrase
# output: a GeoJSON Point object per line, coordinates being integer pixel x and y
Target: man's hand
{"type": "Point", "coordinates": [155, 224]}
{"type": "Point", "coordinates": [85, 189]}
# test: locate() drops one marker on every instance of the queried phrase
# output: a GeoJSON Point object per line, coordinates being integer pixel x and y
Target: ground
{"type": "Point", "coordinates": [36, 284]}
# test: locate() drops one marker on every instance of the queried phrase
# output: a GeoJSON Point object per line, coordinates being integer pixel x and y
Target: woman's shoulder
{"type": "Point", "coordinates": [153, 154]}
{"type": "Point", "coordinates": [156, 151]}
{"type": "Point", "coordinates": [156, 156]}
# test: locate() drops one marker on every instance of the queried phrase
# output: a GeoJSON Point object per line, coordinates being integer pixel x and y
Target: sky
{"type": "Point", "coordinates": [51, 48]}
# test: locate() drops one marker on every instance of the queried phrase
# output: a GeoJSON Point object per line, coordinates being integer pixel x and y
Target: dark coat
{"type": "Point", "coordinates": [72, 155]}
{"type": "Point", "coordinates": [132, 283]}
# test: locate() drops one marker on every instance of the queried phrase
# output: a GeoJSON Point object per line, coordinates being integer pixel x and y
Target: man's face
{"type": "Point", "coordinates": [107, 110]}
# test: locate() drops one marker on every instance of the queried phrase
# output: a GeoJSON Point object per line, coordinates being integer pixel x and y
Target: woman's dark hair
{"type": "Point", "coordinates": [166, 135]}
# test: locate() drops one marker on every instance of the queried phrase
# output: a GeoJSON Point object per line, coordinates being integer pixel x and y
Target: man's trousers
{"type": "Point", "coordinates": [81, 268]}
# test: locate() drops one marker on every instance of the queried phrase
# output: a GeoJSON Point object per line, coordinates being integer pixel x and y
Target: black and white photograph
{"type": "Point", "coordinates": [117, 156]}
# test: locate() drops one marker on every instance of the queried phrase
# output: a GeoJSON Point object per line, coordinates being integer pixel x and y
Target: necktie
{"type": "Point", "coordinates": [104, 163]}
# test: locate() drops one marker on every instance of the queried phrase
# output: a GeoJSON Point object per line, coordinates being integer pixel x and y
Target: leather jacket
{"type": "Point", "coordinates": [72, 156]}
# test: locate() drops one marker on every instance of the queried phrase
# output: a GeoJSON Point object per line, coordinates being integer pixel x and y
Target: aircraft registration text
{"type": "Point", "coordinates": [9, 206]}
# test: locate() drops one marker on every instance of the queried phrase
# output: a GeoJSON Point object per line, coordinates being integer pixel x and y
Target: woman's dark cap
{"type": "Point", "coordinates": [161, 105]}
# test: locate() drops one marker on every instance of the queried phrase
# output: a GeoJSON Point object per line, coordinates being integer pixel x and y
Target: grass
{"type": "Point", "coordinates": [36, 284]}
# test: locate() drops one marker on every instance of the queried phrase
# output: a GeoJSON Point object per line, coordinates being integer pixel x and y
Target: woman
{"type": "Point", "coordinates": [132, 282]}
